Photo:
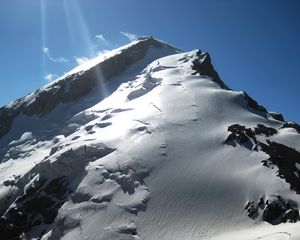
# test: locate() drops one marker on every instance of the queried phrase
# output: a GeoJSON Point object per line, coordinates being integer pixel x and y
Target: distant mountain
{"type": "Point", "coordinates": [147, 142]}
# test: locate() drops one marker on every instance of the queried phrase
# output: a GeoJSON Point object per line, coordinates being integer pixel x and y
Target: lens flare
{"type": "Point", "coordinates": [43, 33]}
{"type": "Point", "coordinates": [77, 24]}
{"type": "Point", "coordinates": [77, 30]}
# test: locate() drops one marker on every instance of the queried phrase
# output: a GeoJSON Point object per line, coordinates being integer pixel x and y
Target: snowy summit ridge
{"type": "Point", "coordinates": [146, 142]}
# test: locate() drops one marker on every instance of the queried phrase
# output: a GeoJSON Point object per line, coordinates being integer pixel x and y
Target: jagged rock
{"type": "Point", "coordinates": [262, 129]}
{"type": "Point", "coordinates": [292, 215]}
{"type": "Point", "coordinates": [252, 210]}
{"type": "Point", "coordinates": [292, 125]}
{"type": "Point", "coordinates": [275, 210]}
{"type": "Point", "coordinates": [203, 66]}
{"type": "Point", "coordinates": [241, 135]}
{"type": "Point", "coordinates": [286, 159]}
{"type": "Point", "coordinates": [39, 204]}
{"type": "Point", "coordinates": [277, 116]}
{"type": "Point", "coordinates": [280, 210]}
{"type": "Point", "coordinates": [251, 103]}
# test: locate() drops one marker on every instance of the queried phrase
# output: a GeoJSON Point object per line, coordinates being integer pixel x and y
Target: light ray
{"type": "Point", "coordinates": [43, 34]}
{"type": "Point", "coordinates": [76, 16]}
{"type": "Point", "coordinates": [69, 20]}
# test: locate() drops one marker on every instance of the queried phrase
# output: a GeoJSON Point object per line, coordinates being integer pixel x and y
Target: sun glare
{"type": "Point", "coordinates": [77, 28]}
{"type": "Point", "coordinates": [43, 34]}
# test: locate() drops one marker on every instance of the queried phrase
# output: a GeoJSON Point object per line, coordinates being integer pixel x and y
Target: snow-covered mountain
{"type": "Point", "coordinates": [147, 142]}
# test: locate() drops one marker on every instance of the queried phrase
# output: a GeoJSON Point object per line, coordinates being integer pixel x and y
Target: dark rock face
{"type": "Point", "coordinates": [203, 66]}
{"type": "Point", "coordinates": [291, 215]}
{"type": "Point", "coordinates": [262, 129]}
{"type": "Point", "coordinates": [274, 211]}
{"type": "Point", "coordinates": [35, 209]}
{"type": "Point", "coordinates": [282, 156]}
{"type": "Point", "coordinates": [251, 103]}
{"type": "Point", "coordinates": [292, 125]}
{"type": "Point", "coordinates": [75, 86]}
{"type": "Point", "coordinates": [128, 230]}
{"type": "Point", "coordinates": [240, 135]}
{"type": "Point", "coordinates": [285, 158]}
{"type": "Point", "coordinates": [6, 119]}
{"type": "Point", "coordinates": [277, 116]}
{"type": "Point", "coordinates": [252, 210]}
{"type": "Point", "coordinates": [38, 205]}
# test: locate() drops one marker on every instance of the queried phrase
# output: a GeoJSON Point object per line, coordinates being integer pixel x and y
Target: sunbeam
{"type": "Point", "coordinates": [69, 20]}
{"type": "Point", "coordinates": [74, 15]}
{"type": "Point", "coordinates": [43, 34]}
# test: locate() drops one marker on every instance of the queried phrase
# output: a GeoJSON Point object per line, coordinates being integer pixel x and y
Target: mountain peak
{"type": "Point", "coordinates": [146, 142]}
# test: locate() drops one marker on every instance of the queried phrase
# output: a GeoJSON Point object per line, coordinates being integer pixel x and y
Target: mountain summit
{"type": "Point", "coordinates": [147, 142]}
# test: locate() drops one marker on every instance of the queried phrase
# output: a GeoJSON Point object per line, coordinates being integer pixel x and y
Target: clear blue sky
{"type": "Point", "coordinates": [254, 44]}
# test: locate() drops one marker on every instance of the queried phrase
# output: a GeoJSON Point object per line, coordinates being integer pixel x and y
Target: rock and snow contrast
{"type": "Point", "coordinates": [147, 142]}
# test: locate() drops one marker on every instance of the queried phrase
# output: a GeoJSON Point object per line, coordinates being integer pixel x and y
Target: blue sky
{"type": "Point", "coordinates": [255, 45]}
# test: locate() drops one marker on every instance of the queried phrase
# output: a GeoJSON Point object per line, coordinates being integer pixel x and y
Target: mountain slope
{"type": "Point", "coordinates": [160, 148]}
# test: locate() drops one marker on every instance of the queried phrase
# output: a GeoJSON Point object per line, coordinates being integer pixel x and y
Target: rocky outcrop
{"type": "Point", "coordinates": [51, 185]}
{"type": "Point", "coordinates": [38, 205]}
{"type": "Point", "coordinates": [277, 116]}
{"type": "Point", "coordinates": [285, 158]}
{"type": "Point", "coordinates": [251, 103]}
{"type": "Point", "coordinates": [240, 135]}
{"type": "Point", "coordinates": [292, 125]}
{"type": "Point", "coordinates": [274, 210]}
{"type": "Point", "coordinates": [203, 66]}
{"type": "Point", "coordinates": [261, 129]}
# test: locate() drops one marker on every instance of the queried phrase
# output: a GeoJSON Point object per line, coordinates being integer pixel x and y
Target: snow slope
{"type": "Point", "coordinates": [163, 150]}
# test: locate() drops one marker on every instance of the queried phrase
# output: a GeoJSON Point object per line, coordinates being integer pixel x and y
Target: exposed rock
{"type": "Point", "coordinates": [43, 197]}
{"type": "Point", "coordinates": [262, 129]}
{"type": "Point", "coordinates": [274, 210]}
{"type": "Point", "coordinates": [251, 103]}
{"type": "Point", "coordinates": [203, 66]}
{"type": "Point", "coordinates": [128, 230]}
{"type": "Point", "coordinates": [292, 125]}
{"type": "Point", "coordinates": [240, 135]}
{"type": "Point", "coordinates": [280, 210]}
{"type": "Point", "coordinates": [39, 204]}
{"type": "Point", "coordinates": [277, 116]}
{"type": "Point", "coordinates": [252, 210]}
{"type": "Point", "coordinates": [292, 215]}
{"type": "Point", "coordinates": [286, 159]}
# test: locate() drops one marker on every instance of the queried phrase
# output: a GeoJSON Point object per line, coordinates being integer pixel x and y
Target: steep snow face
{"type": "Point", "coordinates": [170, 153]}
